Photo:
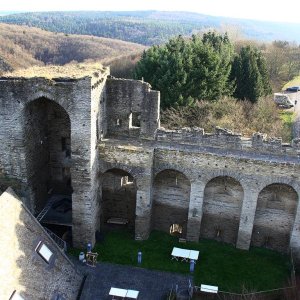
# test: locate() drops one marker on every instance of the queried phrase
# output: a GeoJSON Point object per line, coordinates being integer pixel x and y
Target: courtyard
{"type": "Point", "coordinates": [219, 264]}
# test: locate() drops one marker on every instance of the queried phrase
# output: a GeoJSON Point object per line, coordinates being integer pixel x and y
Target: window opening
{"type": "Point", "coordinates": [125, 180]}
{"type": "Point", "coordinates": [135, 119]}
{"type": "Point", "coordinates": [97, 130]}
{"type": "Point", "coordinates": [63, 143]}
{"type": "Point", "coordinates": [44, 252]}
{"type": "Point", "coordinates": [175, 229]}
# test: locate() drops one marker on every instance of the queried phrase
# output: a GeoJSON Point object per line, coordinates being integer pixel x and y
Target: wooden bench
{"type": "Point", "coordinates": [119, 221]}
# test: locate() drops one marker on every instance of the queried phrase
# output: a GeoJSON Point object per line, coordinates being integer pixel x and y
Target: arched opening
{"type": "Point", "coordinates": [118, 201]}
{"type": "Point", "coordinates": [47, 136]}
{"type": "Point", "coordinates": [223, 197]}
{"type": "Point", "coordinates": [176, 229]}
{"type": "Point", "coordinates": [274, 217]}
{"type": "Point", "coordinates": [171, 197]}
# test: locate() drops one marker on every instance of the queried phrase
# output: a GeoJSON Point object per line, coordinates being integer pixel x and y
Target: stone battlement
{"type": "Point", "coordinates": [224, 138]}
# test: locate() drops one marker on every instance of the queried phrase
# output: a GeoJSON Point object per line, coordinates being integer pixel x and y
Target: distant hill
{"type": "Point", "coordinates": [151, 27]}
{"type": "Point", "coordinates": [23, 46]}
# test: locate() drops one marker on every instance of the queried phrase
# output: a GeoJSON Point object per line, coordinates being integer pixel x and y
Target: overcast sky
{"type": "Point", "coordinates": [283, 11]}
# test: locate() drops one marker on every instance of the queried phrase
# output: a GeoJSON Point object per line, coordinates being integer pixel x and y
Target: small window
{"type": "Point", "coordinates": [118, 123]}
{"type": "Point", "coordinates": [44, 252]}
{"type": "Point", "coordinates": [15, 296]}
{"type": "Point", "coordinates": [136, 119]}
{"type": "Point", "coordinates": [97, 129]}
{"type": "Point", "coordinates": [63, 144]}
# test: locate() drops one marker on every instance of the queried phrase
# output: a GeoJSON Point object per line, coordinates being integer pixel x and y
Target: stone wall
{"type": "Point", "coordinates": [118, 197]}
{"type": "Point", "coordinates": [48, 151]}
{"type": "Point", "coordinates": [138, 162]}
{"type": "Point", "coordinates": [132, 108]}
{"type": "Point", "coordinates": [274, 218]}
{"type": "Point", "coordinates": [217, 192]}
{"type": "Point", "coordinates": [23, 270]}
{"type": "Point", "coordinates": [226, 139]}
{"type": "Point", "coordinates": [75, 98]}
{"type": "Point", "coordinates": [171, 196]}
{"type": "Point", "coordinates": [222, 204]}
{"type": "Point", "coordinates": [98, 129]}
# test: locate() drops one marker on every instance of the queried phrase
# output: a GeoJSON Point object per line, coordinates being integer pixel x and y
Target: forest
{"type": "Point", "coordinates": [150, 27]}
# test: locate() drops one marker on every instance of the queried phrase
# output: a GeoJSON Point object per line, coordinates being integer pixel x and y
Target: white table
{"type": "Point", "coordinates": [178, 253]}
{"type": "Point", "coordinates": [132, 294]}
{"type": "Point", "coordinates": [184, 254]}
{"type": "Point", "coordinates": [194, 254]}
{"type": "Point", "coordinates": [209, 288]}
{"type": "Point", "coordinates": [122, 293]}
{"type": "Point", "coordinates": [117, 292]}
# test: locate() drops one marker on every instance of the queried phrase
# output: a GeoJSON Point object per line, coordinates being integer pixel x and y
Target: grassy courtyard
{"type": "Point", "coordinates": [219, 264]}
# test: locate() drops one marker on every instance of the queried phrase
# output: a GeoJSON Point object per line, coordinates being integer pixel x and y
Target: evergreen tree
{"type": "Point", "coordinates": [185, 70]}
{"type": "Point", "coordinates": [250, 74]}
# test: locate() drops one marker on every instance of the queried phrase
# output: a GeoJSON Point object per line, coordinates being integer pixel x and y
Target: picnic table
{"type": "Point", "coordinates": [119, 221]}
{"type": "Point", "coordinates": [184, 254]}
{"type": "Point", "coordinates": [123, 293]}
{"type": "Point", "coordinates": [209, 288]}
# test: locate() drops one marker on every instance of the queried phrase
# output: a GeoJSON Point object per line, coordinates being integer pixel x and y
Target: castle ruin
{"type": "Point", "coordinates": [98, 140]}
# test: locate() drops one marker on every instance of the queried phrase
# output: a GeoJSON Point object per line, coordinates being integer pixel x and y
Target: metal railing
{"type": "Point", "coordinates": [61, 243]}
{"type": "Point", "coordinates": [44, 211]}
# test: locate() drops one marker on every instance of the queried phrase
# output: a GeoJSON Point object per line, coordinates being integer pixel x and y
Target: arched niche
{"type": "Point", "coordinates": [274, 217]}
{"type": "Point", "coordinates": [47, 140]}
{"type": "Point", "coordinates": [223, 197]}
{"type": "Point", "coordinates": [118, 200]}
{"type": "Point", "coordinates": [171, 197]}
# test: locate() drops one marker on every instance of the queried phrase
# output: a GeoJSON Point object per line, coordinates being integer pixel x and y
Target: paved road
{"type": "Point", "coordinates": [295, 97]}
{"type": "Point", "coordinates": [153, 285]}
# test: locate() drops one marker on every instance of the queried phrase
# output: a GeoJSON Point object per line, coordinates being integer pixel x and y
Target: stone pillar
{"type": "Point", "coordinates": [295, 236]}
{"type": "Point", "coordinates": [247, 217]}
{"type": "Point", "coordinates": [83, 214]}
{"type": "Point", "coordinates": [143, 208]}
{"type": "Point", "coordinates": [195, 210]}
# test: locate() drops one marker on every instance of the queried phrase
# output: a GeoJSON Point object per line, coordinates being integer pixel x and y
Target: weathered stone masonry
{"type": "Point", "coordinates": [219, 186]}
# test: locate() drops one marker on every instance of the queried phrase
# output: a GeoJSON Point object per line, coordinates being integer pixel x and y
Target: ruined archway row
{"type": "Point", "coordinates": [217, 208]}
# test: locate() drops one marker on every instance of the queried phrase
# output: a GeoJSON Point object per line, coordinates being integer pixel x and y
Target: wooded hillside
{"type": "Point", "coordinates": [22, 47]}
{"type": "Point", "coordinates": [150, 27]}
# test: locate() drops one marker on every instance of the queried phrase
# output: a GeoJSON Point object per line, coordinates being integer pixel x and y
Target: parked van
{"type": "Point", "coordinates": [283, 100]}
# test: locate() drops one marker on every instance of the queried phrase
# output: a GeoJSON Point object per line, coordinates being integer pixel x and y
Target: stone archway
{"type": "Point", "coordinates": [47, 138]}
{"type": "Point", "coordinates": [118, 201]}
{"type": "Point", "coordinates": [171, 197]}
{"type": "Point", "coordinates": [223, 198]}
{"type": "Point", "coordinates": [274, 217]}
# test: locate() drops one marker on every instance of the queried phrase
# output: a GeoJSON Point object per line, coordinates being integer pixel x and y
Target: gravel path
{"type": "Point", "coordinates": [152, 285]}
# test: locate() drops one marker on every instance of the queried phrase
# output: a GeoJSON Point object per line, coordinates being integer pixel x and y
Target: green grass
{"type": "Point", "coordinates": [288, 118]}
{"type": "Point", "coordinates": [219, 264]}
{"type": "Point", "coordinates": [294, 82]}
